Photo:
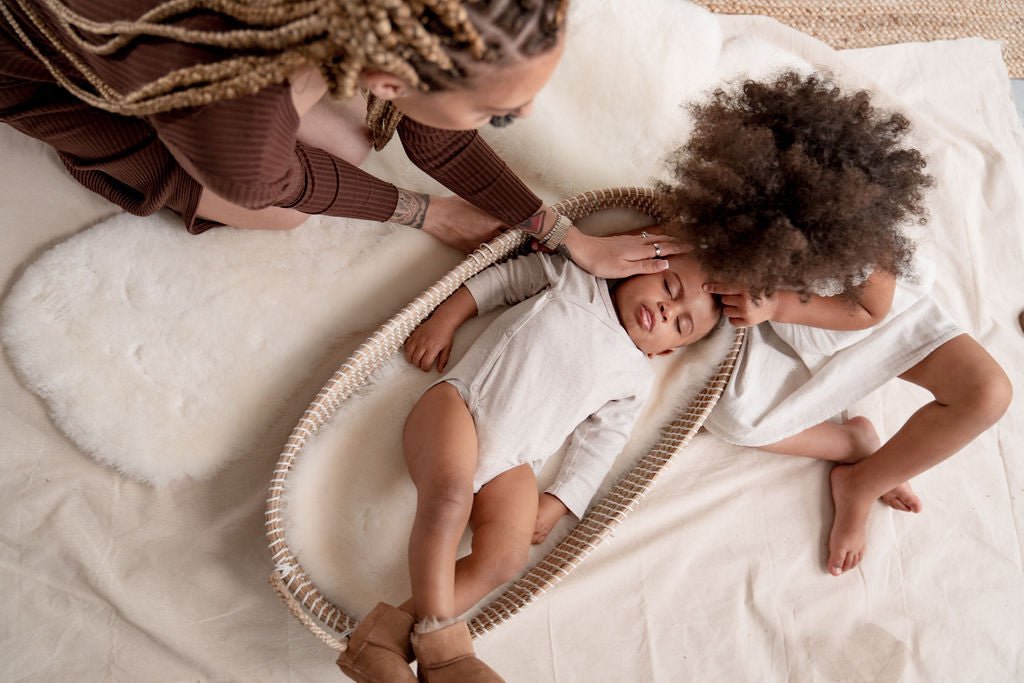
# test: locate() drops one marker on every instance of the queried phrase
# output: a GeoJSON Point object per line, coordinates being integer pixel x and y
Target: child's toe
{"type": "Point", "coordinates": [836, 561]}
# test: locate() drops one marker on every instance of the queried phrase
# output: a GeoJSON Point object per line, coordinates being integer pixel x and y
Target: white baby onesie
{"type": "Point", "coordinates": [557, 363]}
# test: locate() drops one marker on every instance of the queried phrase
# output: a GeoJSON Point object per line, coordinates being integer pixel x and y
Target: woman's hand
{"type": "Point", "coordinates": [431, 343]}
{"type": "Point", "coordinates": [620, 256]}
{"type": "Point", "coordinates": [549, 510]}
{"type": "Point", "coordinates": [459, 224]}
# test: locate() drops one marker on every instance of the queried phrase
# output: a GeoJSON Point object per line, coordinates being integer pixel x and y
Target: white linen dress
{"type": "Point", "coordinates": [791, 377]}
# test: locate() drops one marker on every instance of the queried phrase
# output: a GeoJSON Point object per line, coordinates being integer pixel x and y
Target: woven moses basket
{"type": "Point", "coordinates": [326, 620]}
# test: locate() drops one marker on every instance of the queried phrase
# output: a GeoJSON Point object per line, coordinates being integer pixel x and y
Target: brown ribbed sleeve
{"type": "Point", "coordinates": [246, 151]}
{"type": "Point", "coordinates": [464, 163]}
{"type": "Point", "coordinates": [242, 149]}
{"type": "Point", "coordinates": [337, 188]}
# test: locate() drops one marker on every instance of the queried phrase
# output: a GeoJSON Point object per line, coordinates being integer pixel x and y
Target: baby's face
{"type": "Point", "coordinates": [665, 310]}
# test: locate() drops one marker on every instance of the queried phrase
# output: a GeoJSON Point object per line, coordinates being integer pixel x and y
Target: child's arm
{"type": "Point", "coordinates": [827, 312]}
{"type": "Point", "coordinates": [505, 283]}
{"type": "Point", "coordinates": [432, 341]}
{"type": "Point", "coordinates": [592, 450]}
{"type": "Point", "coordinates": [549, 510]}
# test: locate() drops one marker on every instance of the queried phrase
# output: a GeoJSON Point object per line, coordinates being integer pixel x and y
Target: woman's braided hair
{"type": "Point", "coordinates": [792, 183]}
{"type": "Point", "coordinates": [428, 43]}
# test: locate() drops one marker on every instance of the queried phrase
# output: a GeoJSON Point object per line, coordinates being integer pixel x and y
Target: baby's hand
{"type": "Point", "coordinates": [740, 308]}
{"type": "Point", "coordinates": [549, 511]}
{"type": "Point", "coordinates": [430, 343]}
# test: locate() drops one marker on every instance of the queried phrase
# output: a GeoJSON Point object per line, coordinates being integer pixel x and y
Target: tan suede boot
{"type": "Point", "coordinates": [446, 656]}
{"type": "Point", "coordinates": [379, 650]}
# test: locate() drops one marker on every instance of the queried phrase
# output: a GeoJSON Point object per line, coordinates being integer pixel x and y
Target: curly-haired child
{"type": "Point", "coordinates": [797, 195]}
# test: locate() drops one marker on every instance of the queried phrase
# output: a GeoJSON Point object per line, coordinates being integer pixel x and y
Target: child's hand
{"type": "Point", "coordinates": [740, 308]}
{"type": "Point", "coordinates": [430, 343]}
{"type": "Point", "coordinates": [549, 511]}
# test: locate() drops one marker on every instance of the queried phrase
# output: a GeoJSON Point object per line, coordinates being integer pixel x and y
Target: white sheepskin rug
{"type": "Point", "coordinates": [167, 356]}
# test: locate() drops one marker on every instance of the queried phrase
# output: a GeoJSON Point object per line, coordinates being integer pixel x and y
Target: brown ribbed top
{"type": "Point", "coordinates": [244, 149]}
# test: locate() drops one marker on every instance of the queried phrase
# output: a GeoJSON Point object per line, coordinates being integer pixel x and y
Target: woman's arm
{"type": "Point", "coordinates": [464, 163]}
{"type": "Point", "coordinates": [826, 312]}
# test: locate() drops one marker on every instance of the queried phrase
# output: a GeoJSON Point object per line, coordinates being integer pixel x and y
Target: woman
{"type": "Point", "coordinates": [217, 109]}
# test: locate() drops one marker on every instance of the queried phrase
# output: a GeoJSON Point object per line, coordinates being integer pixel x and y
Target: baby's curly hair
{"type": "Point", "coordinates": [789, 183]}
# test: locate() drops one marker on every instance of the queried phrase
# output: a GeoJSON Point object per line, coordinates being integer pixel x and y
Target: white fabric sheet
{"type": "Point", "coordinates": [718, 574]}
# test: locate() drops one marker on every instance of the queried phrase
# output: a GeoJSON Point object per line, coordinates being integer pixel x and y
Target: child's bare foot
{"type": "Point", "coordinates": [846, 542]}
{"type": "Point", "coordinates": [866, 442]}
{"type": "Point", "coordinates": [903, 498]}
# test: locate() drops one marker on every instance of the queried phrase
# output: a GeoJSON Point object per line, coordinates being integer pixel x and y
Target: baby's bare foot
{"type": "Point", "coordinates": [865, 438]}
{"type": "Point", "coordinates": [903, 498]}
{"type": "Point", "coordinates": [847, 541]}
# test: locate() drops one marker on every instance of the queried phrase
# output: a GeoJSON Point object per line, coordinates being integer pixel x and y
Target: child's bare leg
{"type": "Point", "coordinates": [847, 443]}
{"type": "Point", "coordinates": [503, 517]}
{"type": "Point", "coordinates": [441, 453]}
{"type": "Point", "coordinates": [971, 393]}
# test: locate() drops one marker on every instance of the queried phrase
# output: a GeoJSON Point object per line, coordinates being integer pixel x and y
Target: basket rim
{"type": "Point", "coordinates": [329, 622]}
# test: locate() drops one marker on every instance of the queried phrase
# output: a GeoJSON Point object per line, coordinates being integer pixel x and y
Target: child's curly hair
{"type": "Point", "coordinates": [790, 183]}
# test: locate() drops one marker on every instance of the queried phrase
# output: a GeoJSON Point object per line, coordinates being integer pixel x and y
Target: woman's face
{"type": "Point", "coordinates": [489, 91]}
{"type": "Point", "coordinates": [662, 311]}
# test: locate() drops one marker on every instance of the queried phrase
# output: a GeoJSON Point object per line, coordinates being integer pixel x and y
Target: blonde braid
{"type": "Point", "coordinates": [425, 42]}
{"type": "Point", "coordinates": [300, 24]}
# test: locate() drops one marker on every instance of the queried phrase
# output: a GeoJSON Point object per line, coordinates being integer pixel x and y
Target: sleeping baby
{"type": "Point", "coordinates": [568, 359]}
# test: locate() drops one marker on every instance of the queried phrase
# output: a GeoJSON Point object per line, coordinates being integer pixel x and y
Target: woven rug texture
{"type": "Point", "coordinates": [859, 23]}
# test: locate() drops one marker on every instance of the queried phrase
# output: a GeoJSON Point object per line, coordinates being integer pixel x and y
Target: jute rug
{"type": "Point", "coordinates": [866, 23]}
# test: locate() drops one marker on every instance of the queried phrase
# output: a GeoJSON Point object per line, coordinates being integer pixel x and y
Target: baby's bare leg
{"type": "Point", "coordinates": [971, 393]}
{"type": "Point", "coordinates": [441, 452]}
{"type": "Point", "coordinates": [503, 517]}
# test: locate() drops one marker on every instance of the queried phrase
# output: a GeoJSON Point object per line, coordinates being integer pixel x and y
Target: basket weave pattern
{"type": "Point", "coordinates": [866, 23]}
{"type": "Point", "coordinates": [326, 620]}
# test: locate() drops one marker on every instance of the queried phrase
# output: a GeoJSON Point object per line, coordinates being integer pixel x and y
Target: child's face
{"type": "Point", "coordinates": [662, 311]}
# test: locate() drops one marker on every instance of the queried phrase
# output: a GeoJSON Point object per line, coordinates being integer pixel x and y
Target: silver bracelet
{"type": "Point", "coordinates": [556, 235]}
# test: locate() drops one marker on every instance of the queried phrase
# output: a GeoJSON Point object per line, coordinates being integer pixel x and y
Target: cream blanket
{"type": "Point", "coordinates": [716, 576]}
